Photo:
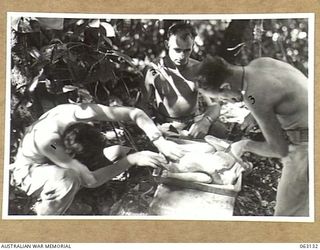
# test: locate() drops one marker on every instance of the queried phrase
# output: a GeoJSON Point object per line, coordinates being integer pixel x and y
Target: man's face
{"type": "Point", "coordinates": [224, 93]}
{"type": "Point", "coordinates": [180, 49]}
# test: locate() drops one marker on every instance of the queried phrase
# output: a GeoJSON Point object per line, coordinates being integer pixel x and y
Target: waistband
{"type": "Point", "coordinates": [298, 135]}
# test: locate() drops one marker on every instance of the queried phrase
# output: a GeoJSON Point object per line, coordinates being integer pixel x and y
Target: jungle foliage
{"type": "Point", "coordinates": [64, 60]}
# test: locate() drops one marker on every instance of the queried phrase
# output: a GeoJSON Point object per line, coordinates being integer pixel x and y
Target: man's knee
{"type": "Point", "coordinates": [66, 181]}
{"type": "Point", "coordinates": [58, 192]}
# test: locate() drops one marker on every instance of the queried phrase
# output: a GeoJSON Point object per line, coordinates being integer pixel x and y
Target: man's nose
{"type": "Point", "coordinates": [183, 55]}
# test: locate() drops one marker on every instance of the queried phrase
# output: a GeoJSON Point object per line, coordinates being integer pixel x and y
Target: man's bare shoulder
{"type": "Point", "coordinates": [193, 62]}
{"type": "Point", "coordinates": [57, 117]}
{"type": "Point", "coordinates": [45, 139]}
{"type": "Point", "coordinates": [191, 68]}
{"type": "Point", "coordinates": [263, 61]}
{"type": "Point", "coordinates": [276, 68]}
{"type": "Point", "coordinates": [269, 63]}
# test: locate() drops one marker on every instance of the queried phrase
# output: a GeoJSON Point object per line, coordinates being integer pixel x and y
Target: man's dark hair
{"type": "Point", "coordinates": [183, 28]}
{"type": "Point", "coordinates": [212, 72]}
{"type": "Point", "coordinates": [85, 143]}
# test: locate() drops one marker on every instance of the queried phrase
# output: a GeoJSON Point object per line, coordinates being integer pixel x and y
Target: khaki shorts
{"type": "Point", "coordinates": [293, 188]}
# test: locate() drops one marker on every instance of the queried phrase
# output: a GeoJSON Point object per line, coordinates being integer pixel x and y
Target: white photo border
{"type": "Point", "coordinates": [311, 72]}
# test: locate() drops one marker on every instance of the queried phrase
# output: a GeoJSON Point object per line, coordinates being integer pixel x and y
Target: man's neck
{"type": "Point", "coordinates": [169, 63]}
{"type": "Point", "coordinates": [236, 78]}
{"type": "Point", "coordinates": [181, 68]}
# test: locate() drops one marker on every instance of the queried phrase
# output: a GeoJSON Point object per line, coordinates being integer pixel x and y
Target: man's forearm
{"type": "Point", "coordinates": [212, 112]}
{"type": "Point", "coordinates": [102, 175]}
{"type": "Point", "coordinates": [260, 148]}
{"type": "Point", "coordinates": [146, 124]}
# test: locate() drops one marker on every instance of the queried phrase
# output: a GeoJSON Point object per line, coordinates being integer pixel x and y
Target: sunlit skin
{"type": "Point", "coordinates": [178, 97]}
{"type": "Point", "coordinates": [280, 107]}
{"type": "Point", "coordinates": [49, 128]}
{"type": "Point", "coordinates": [179, 51]}
{"type": "Point", "coordinates": [226, 91]}
{"type": "Point", "coordinates": [275, 107]}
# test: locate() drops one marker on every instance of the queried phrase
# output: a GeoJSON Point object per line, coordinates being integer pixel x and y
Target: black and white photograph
{"type": "Point", "coordinates": [179, 117]}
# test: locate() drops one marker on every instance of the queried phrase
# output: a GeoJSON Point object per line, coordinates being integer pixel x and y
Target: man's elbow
{"type": "Point", "coordinates": [135, 113]}
{"type": "Point", "coordinates": [281, 150]}
{"type": "Point", "coordinates": [91, 184]}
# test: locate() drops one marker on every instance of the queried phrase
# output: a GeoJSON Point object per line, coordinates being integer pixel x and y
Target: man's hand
{"type": "Point", "coordinates": [169, 149]}
{"type": "Point", "coordinates": [238, 148]}
{"type": "Point", "coordinates": [200, 128]}
{"type": "Point", "coordinates": [147, 159]}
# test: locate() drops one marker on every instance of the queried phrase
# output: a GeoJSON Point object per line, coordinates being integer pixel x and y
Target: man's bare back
{"type": "Point", "coordinates": [277, 95]}
{"type": "Point", "coordinates": [280, 87]}
{"type": "Point", "coordinates": [281, 98]}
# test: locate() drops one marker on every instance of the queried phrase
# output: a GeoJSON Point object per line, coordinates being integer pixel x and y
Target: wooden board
{"type": "Point", "coordinates": [192, 199]}
{"type": "Point", "coordinates": [190, 203]}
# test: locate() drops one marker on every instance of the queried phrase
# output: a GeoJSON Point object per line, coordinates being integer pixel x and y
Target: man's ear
{"type": "Point", "coordinates": [166, 44]}
{"type": "Point", "coordinates": [225, 85]}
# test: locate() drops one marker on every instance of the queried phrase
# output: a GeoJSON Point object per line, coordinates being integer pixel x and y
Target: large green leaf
{"type": "Point", "coordinates": [125, 57]}
{"type": "Point", "coordinates": [106, 71]}
{"type": "Point", "coordinates": [110, 32]}
{"type": "Point", "coordinates": [35, 53]}
{"type": "Point", "coordinates": [94, 23]}
{"type": "Point", "coordinates": [25, 24]}
{"type": "Point", "coordinates": [51, 23]}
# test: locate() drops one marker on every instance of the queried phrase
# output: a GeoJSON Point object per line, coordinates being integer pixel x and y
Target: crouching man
{"type": "Point", "coordinates": [276, 93]}
{"type": "Point", "coordinates": [46, 166]}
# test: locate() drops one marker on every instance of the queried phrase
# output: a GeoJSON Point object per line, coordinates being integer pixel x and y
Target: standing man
{"type": "Point", "coordinates": [276, 93]}
{"type": "Point", "coordinates": [46, 165]}
{"type": "Point", "coordinates": [168, 81]}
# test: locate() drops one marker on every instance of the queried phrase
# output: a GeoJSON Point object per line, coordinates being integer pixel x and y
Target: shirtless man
{"type": "Point", "coordinates": [176, 96]}
{"type": "Point", "coordinates": [276, 93]}
{"type": "Point", "coordinates": [45, 170]}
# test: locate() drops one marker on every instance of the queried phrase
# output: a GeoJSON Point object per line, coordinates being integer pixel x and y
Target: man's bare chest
{"type": "Point", "coordinates": [173, 85]}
